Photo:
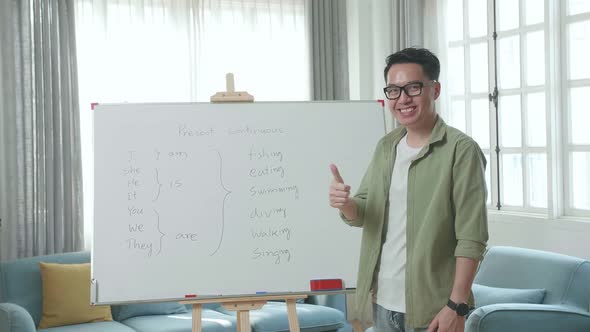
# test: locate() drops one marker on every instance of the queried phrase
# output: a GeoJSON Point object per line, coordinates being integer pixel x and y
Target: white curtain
{"type": "Point", "coordinates": [434, 38]}
{"type": "Point", "coordinates": [180, 51]}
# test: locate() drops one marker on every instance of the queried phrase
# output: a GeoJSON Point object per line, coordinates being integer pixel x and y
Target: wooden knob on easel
{"type": "Point", "coordinates": [229, 82]}
{"type": "Point", "coordinates": [231, 95]}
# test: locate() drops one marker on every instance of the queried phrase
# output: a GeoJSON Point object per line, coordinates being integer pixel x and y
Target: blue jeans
{"type": "Point", "coordinates": [390, 321]}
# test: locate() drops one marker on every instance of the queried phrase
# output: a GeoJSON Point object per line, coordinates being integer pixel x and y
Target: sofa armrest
{"type": "Point", "coordinates": [14, 318]}
{"type": "Point", "coordinates": [527, 317]}
{"type": "Point", "coordinates": [336, 301]}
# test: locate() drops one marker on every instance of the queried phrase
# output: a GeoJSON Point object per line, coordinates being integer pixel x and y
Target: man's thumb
{"type": "Point", "coordinates": [336, 173]}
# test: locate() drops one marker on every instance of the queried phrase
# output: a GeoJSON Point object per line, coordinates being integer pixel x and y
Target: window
{"type": "Point", "coordinates": [539, 125]}
{"type": "Point", "coordinates": [521, 70]}
{"type": "Point", "coordinates": [576, 75]}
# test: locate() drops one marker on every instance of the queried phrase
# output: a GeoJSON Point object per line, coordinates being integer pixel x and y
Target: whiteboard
{"type": "Point", "coordinates": [224, 199]}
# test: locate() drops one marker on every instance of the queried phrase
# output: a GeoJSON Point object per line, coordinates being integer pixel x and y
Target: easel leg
{"type": "Point", "coordinates": [244, 321]}
{"type": "Point", "coordinates": [357, 325]}
{"type": "Point", "coordinates": [292, 314]}
{"type": "Point", "coordinates": [197, 316]}
{"type": "Point", "coordinates": [242, 310]}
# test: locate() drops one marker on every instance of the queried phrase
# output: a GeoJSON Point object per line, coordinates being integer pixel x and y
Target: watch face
{"type": "Point", "coordinates": [462, 309]}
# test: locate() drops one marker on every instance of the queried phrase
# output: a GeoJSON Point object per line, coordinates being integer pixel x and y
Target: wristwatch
{"type": "Point", "coordinates": [460, 308]}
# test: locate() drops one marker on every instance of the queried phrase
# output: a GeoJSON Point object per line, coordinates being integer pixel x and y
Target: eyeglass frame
{"type": "Point", "coordinates": [403, 88]}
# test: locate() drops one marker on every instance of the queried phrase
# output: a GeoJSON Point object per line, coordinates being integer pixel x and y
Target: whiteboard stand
{"type": "Point", "coordinates": [243, 305]}
{"type": "Point", "coordinates": [231, 95]}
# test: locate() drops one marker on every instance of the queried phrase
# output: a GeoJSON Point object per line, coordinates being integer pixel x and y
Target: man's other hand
{"type": "Point", "coordinates": [447, 320]}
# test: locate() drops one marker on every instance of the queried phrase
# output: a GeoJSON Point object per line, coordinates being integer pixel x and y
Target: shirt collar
{"type": "Point", "coordinates": [438, 132]}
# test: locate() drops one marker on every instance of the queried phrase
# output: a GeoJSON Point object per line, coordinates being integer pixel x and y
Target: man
{"type": "Point", "coordinates": [422, 207]}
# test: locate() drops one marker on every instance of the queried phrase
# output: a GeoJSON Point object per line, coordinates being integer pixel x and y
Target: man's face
{"type": "Point", "coordinates": [414, 112]}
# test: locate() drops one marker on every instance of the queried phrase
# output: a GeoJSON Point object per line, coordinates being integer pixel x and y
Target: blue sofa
{"type": "Point", "coordinates": [21, 308]}
{"type": "Point", "coordinates": [564, 280]}
{"type": "Point", "coordinates": [534, 291]}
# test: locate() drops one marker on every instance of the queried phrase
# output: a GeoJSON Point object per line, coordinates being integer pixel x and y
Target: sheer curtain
{"type": "Point", "coordinates": [435, 38]}
{"type": "Point", "coordinates": [180, 51]}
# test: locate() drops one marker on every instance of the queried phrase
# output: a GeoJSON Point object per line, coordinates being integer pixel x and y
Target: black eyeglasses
{"type": "Point", "coordinates": [411, 89]}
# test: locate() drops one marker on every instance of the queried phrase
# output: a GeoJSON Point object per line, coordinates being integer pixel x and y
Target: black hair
{"type": "Point", "coordinates": [423, 57]}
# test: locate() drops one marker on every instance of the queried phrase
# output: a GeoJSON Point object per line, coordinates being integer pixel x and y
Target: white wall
{"type": "Point", "coordinates": [566, 236]}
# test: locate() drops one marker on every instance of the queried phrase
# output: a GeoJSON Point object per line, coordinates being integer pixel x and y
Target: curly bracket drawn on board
{"type": "Point", "coordinates": [227, 193]}
{"type": "Point", "coordinates": [159, 186]}
{"type": "Point", "coordinates": [159, 230]}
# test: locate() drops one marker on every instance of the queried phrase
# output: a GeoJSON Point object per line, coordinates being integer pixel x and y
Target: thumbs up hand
{"type": "Point", "coordinates": [339, 192]}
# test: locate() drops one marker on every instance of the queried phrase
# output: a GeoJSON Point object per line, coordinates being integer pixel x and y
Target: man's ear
{"type": "Point", "coordinates": [437, 88]}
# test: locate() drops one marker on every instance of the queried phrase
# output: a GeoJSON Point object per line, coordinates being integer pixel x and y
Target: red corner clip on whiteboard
{"type": "Point", "coordinates": [326, 284]}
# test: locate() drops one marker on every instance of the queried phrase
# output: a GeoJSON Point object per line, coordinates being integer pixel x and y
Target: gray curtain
{"type": "Point", "coordinates": [407, 25]}
{"type": "Point", "coordinates": [329, 50]}
{"type": "Point", "coordinates": [40, 164]}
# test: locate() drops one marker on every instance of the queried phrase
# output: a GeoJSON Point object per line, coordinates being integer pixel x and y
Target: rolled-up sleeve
{"type": "Point", "coordinates": [469, 197]}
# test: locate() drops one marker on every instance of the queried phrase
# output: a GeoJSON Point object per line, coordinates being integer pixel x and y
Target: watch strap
{"type": "Point", "coordinates": [460, 308]}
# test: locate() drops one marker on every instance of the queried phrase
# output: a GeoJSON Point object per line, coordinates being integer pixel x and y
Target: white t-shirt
{"type": "Point", "coordinates": [391, 281]}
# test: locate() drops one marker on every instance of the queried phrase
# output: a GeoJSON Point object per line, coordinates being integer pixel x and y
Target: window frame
{"type": "Point", "coordinates": [566, 140]}
{"type": "Point", "coordinates": [523, 91]}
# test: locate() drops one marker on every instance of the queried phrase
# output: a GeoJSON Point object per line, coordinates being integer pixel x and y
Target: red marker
{"type": "Point", "coordinates": [190, 296]}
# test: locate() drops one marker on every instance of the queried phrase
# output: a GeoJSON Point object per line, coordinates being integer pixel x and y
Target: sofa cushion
{"type": "Point", "coordinates": [91, 327]}
{"type": "Point", "coordinates": [212, 321]}
{"type": "Point", "coordinates": [485, 295]}
{"type": "Point", "coordinates": [122, 312]}
{"type": "Point", "coordinates": [312, 318]}
{"type": "Point", "coordinates": [20, 280]}
{"type": "Point", "coordinates": [66, 296]}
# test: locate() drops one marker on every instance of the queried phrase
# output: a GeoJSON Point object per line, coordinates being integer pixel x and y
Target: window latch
{"type": "Point", "coordinates": [493, 97]}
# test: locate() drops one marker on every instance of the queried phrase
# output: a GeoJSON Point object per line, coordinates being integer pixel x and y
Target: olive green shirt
{"type": "Point", "coordinates": [446, 217]}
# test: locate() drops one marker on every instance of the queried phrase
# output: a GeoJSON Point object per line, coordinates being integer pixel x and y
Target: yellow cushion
{"type": "Point", "coordinates": [66, 296]}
